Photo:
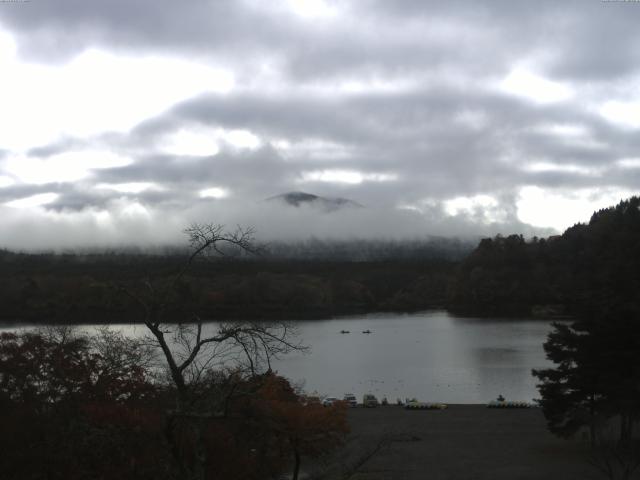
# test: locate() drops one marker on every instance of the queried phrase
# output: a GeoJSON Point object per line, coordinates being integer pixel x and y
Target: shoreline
{"type": "Point", "coordinates": [287, 317]}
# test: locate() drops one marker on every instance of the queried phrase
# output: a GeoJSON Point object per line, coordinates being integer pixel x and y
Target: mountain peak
{"type": "Point", "coordinates": [296, 199]}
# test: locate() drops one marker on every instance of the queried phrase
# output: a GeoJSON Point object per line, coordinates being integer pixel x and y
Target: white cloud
{"type": "Point", "coordinates": [367, 85]}
{"type": "Point", "coordinates": [628, 163]}
{"type": "Point", "coordinates": [122, 222]}
{"type": "Point", "coordinates": [523, 83]}
{"type": "Point", "coordinates": [136, 210]}
{"type": "Point", "coordinates": [6, 181]}
{"type": "Point", "coordinates": [64, 167]}
{"type": "Point", "coordinates": [626, 114]}
{"type": "Point", "coordinates": [131, 187]}
{"type": "Point", "coordinates": [213, 192]}
{"type": "Point", "coordinates": [241, 139]}
{"type": "Point", "coordinates": [559, 210]}
{"type": "Point", "coordinates": [352, 177]}
{"type": "Point", "coordinates": [7, 49]}
{"type": "Point", "coordinates": [195, 142]}
{"type": "Point", "coordinates": [568, 168]}
{"type": "Point", "coordinates": [563, 130]}
{"type": "Point", "coordinates": [95, 92]}
{"type": "Point", "coordinates": [312, 8]}
{"type": "Point", "coordinates": [33, 201]}
{"type": "Point", "coordinates": [483, 207]}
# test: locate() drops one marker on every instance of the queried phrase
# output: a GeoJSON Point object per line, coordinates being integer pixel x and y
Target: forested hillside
{"type": "Point", "coordinates": [85, 289]}
{"type": "Point", "coordinates": [596, 262]}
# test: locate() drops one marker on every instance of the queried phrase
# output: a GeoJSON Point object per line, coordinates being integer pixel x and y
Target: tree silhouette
{"type": "Point", "coordinates": [75, 406]}
{"type": "Point", "coordinates": [596, 384]}
{"type": "Point", "coordinates": [208, 368]}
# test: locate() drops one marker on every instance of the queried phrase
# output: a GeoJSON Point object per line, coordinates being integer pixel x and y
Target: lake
{"type": "Point", "coordinates": [433, 356]}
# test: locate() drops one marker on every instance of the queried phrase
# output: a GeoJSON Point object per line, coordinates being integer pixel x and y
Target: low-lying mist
{"type": "Point", "coordinates": [130, 224]}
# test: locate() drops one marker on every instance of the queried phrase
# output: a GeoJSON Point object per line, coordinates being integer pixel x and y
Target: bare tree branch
{"type": "Point", "coordinates": [197, 360]}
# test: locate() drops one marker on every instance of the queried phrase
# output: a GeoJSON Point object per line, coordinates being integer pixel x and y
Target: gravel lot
{"type": "Point", "coordinates": [464, 442]}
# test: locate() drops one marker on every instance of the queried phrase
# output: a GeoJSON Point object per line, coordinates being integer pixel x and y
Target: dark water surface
{"type": "Point", "coordinates": [433, 356]}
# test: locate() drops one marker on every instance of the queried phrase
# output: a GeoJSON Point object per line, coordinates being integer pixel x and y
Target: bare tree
{"type": "Point", "coordinates": [205, 364]}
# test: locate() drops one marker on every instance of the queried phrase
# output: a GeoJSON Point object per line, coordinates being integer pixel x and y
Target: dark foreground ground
{"type": "Point", "coordinates": [464, 442]}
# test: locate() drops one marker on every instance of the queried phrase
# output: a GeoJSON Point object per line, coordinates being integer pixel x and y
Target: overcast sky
{"type": "Point", "coordinates": [122, 121]}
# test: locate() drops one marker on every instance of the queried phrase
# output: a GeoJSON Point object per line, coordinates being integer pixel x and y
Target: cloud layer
{"type": "Point", "coordinates": [122, 122]}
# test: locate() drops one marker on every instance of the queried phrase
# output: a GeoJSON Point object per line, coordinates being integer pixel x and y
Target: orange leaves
{"type": "Point", "coordinates": [41, 369]}
{"type": "Point", "coordinates": [84, 408]}
{"type": "Point", "coordinates": [311, 427]}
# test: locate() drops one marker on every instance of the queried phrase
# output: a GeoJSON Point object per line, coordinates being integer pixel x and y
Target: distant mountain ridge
{"type": "Point", "coordinates": [329, 204]}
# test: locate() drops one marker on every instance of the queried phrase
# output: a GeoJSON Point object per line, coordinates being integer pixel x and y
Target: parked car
{"type": "Point", "coordinates": [328, 401]}
{"type": "Point", "coordinates": [351, 400]}
{"type": "Point", "coordinates": [369, 400]}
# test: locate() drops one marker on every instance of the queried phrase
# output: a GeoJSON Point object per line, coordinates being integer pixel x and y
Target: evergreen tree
{"type": "Point", "coordinates": [597, 373]}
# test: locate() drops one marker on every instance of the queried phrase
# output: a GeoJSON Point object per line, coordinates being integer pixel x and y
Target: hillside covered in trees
{"type": "Point", "coordinates": [85, 289]}
{"type": "Point", "coordinates": [594, 262]}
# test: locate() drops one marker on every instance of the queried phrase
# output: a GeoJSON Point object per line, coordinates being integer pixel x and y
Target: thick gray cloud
{"type": "Point", "coordinates": [145, 25]}
{"type": "Point", "coordinates": [585, 40]}
{"type": "Point", "coordinates": [396, 104]}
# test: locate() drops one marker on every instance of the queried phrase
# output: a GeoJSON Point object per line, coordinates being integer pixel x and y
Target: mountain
{"type": "Point", "coordinates": [329, 204]}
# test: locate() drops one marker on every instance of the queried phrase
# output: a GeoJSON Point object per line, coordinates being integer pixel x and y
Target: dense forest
{"type": "Point", "coordinates": [505, 275]}
{"type": "Point", "coordinates": [589, 263]}
{"type": "Point", "coordinates": [85, 288]}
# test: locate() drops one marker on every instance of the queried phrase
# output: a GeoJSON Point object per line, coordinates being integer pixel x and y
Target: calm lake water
{"type": "Point", "coordinates": [433, 356]}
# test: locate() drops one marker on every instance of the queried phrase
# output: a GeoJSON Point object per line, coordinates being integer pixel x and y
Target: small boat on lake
{"type": "Point", "coordinates": [345, 331]}
{"type": "Point", "coordinates": [366, 331]}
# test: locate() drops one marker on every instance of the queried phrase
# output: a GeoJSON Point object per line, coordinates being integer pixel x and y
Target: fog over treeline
{"type": "Point", "coordinates": [313, 249]}
{"type": "Point", "coordinates": [156, 228]}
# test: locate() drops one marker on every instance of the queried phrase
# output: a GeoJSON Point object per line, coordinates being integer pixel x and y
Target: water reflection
{"type": "Point", "coordinates": [431, 355]}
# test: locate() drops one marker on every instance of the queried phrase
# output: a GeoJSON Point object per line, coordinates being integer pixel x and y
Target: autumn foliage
{"type": "Point", "coordinates": [77, 407]}
{"type": "Point", "coordinates": [69, 411]}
